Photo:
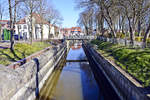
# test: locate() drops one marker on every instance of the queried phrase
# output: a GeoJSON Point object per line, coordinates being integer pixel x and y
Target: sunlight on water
{"type": "Point", "coordinates": [74, 81]}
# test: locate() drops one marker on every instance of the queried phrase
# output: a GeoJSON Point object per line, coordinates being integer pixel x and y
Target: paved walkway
{"type": "Point", "coordinates": [4, 45]}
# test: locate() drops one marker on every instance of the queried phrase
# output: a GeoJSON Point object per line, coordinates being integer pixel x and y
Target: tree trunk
{"type": "Point", "coordinates": [125, 33]}
{"type": "Point", "coordinates": [131, 36]}
{"type": "Point", "coordinates": [131, 33]}
{"type": "Point", "coordinates": [146, 36]}
{"type": "Point", "coordinates": [41, 16]}
{"type": "Point", "coordinates": [86, 29]}
{"type": "Point", "coordinates": [41, 26]}
{"type": "Point", "coordinates": [31, 32]}
{"type": "Point", "coordinates": [18, 33]}
{"type": "Point", "coordinates": [49, 32]}
{"type": "Point", "coordinates": [111, 27]}
{"type": "Point", "coordinates": [12, 29]}
{"type": "Point", "coordinates": [11, 26]}
{"type": "Point", "coordinates": [120, 26]}
{"type": "Point", "coordinates": [102, 24]}
{"type": "Point", "coordinates": [98, 26]}
{"type": "Point", "coordinates": [139, 28]}
{"type": "Point", "coordinates": [36, 37]}
{"type": "Point", "coordinates": [28, 34]}
{"type": "Point", "coordinates": [0, 32]}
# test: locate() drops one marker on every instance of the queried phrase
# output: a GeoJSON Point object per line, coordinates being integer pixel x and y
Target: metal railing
{"type": "Point", "coordinates": [81, 37]}
{"type": "Point", "coordinates": [121, 41]}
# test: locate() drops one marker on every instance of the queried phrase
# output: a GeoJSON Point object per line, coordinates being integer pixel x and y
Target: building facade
{"type": "Point", "coordinates": [71, 31]}
{"type": "Point", "coordinates": [23, 28]}
{"type": "Point", "coordinates": [75, 31]}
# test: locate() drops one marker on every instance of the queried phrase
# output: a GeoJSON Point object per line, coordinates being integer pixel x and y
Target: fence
{"type": "Point", "coordinates": [124, 42]}
{"type": "Point", "coordinates": [87, 37]}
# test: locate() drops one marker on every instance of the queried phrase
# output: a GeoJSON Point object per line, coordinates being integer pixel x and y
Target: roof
{"type": "Point", "coordinates": [66, 29]}
{"type": "Point", "coordinates": [38, 19]}
{"type": "Point", "coordinates": [76, 29]}
{"type": "Point", "coordinates": [22, 21]}
{"type": "Point", "coordinates": [4, 21]}
{"type": "Point", "coordinates": [71, 29]}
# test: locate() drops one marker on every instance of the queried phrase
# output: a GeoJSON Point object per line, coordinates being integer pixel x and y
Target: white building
{"type": "Point", "coordinates": [24, 27]}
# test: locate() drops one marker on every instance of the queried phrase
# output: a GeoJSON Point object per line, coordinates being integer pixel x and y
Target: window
{"type": "Point", "coordinates": [25, 27]}
{"type": "Point", "coordinates": [37, 28]}
{"type": "Point", "coordinates": [19, 26]}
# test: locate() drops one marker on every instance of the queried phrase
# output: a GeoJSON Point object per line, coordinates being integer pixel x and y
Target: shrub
{"type": "Point", "coordinates": [139, 39]}
{"type": "Point", "coordinates": [120, 35]}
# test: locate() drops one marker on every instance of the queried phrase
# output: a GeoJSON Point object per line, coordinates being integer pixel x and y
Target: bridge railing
{"type": "Point", "coordinates": [121, 41]}
{"type": "Point", "coordinates": [83, 37]}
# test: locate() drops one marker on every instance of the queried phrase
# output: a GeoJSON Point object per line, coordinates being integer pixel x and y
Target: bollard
{"type": "Point", "coordinates": [37, 79]}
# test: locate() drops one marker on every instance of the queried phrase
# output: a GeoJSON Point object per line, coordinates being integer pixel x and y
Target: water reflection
{"type": "Point", "coordinates": [90, 88]}
{"type": "Point", "coordinates": [77, 54]}
{"type": "Point", "coordinates": [75, 81]}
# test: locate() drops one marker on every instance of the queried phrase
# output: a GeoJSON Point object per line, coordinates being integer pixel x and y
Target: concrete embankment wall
{"type": "Point", "coordinates": [124, 85]}
{"type": "Point", "coordinates": [20, 83]}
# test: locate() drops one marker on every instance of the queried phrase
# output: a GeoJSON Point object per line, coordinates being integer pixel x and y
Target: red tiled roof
{"type": "Point", "coordinates": [22, 21]}
{"type": "Point", "coordinates": [5, 23]}
{"type": "Point", "coordinates": [38, 19]}
{"type": "Point", "coordinates": [76, 29]}
{"type": "Point", "coordinates": [4, 20]}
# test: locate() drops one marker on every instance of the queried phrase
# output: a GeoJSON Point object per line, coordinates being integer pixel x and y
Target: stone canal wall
{"type": "Point", "coordinates": [126, 87]}
{"type": "Point", "coordinates": [21, 83]}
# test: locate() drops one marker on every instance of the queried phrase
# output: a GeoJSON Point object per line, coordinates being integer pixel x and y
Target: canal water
{"type": "Point", "coordinates": [72, 81]}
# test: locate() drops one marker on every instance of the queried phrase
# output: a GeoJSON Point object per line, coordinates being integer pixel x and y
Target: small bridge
{"type": "Point", "coordinates": [80, 37]}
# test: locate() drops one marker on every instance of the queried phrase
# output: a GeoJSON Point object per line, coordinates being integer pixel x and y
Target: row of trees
{"type": "Point", "coordinates": [127, 16]}
{"type": "Point", "coordinates": [17, 9]}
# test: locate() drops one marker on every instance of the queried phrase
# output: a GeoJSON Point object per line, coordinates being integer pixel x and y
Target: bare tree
{"type": "Point", "coordinates": [2, 11]}
{"type": "Point", "coordinates": [89, 16]}
{"type": "Point", "coordinates": [42, 12]}
{"type": "Point", "coordinates": [53, 17]}
{"type": "Point", "coordinates": [19, 15]}
{"type": "Point", "coordinates": [31, 6]}
{"type": "Point", "coordinates": [100, 22]}
{"type": "Point", "coordinates": [12, 23]}
{"type": "Point", "coordinates": [124, 15]}
{"type": "Point", "coordinates": [103, 13]}
{"type": "Point", "coordinates": [146, 11]}
{"type": "Point", "coordinates": [85, 20]}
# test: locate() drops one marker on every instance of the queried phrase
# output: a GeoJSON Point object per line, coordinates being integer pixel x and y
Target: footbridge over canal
{"type": "Point", "coordinates": [80, 37]}
{"type": "Point", "coordinates": [76, 37]}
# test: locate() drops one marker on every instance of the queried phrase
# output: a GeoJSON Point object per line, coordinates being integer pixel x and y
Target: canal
{"type": "Point", "coordinates": [72, 79]}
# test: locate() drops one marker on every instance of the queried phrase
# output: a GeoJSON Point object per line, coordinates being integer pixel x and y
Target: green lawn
{"type": "Point", "coordinates": [134, 61]}
{"type": "Point", "coordinates": [22, 50]}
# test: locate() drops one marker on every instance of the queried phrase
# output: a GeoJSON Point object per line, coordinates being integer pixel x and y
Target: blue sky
{"type": "Point", "coordinates": [68, 11]}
